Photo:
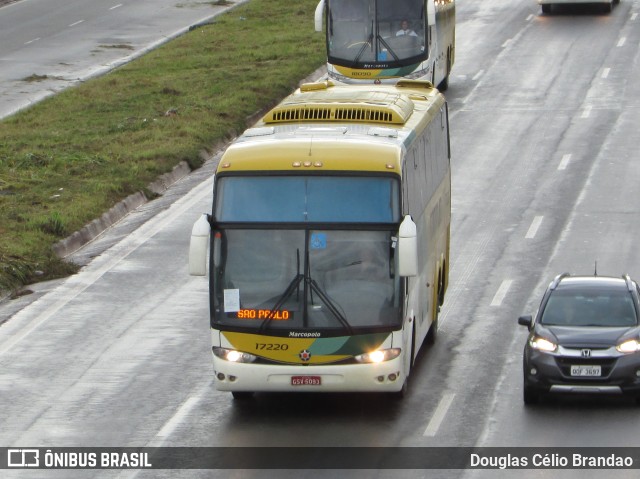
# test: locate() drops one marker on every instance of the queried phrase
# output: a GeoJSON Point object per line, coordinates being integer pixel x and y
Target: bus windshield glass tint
{"type": "Point", "coordinates": [361, 34]}
{"type": "Point", "coordinates": [271, 280]}
{"type": "Point", "coordinates": [302, 199]}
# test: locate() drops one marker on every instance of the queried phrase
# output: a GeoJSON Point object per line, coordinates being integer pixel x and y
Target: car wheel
{"type": "Point", "coordinates": [546, 8]}
{"type": "Point", "coordinates": [530, 395]}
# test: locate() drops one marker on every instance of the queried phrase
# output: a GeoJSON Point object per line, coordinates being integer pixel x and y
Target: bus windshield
{"type": "Point", "coordinates": [376, 33]}
{"type": "Point", "coordinates": [304, 199]}
{"type": "Point", "coordinates": [305, 280]}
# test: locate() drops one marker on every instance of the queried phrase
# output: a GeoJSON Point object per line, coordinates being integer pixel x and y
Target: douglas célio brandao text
{"type": "Point", "coordinates": [549, 461]}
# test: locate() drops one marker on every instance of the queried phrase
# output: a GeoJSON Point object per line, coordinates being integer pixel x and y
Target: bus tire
{"type": "Point", "coordinates": [444, 84]}
{"type": "Point", "coordinates": [440, 289]}
{"type": "Point", "coordinates": [242, 395]}
{"type": "Point", "coordinates": [403, 391]}
{"type": "Point", "coordinates": [405, 385]}
{"type": "Point", "coordinates": [432, 335]}
{"type": "Point", "coordinates": [413, 346]}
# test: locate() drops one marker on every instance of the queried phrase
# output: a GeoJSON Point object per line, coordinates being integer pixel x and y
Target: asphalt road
{"type": "Point", "coordinates": [544, 113]}
{"type": "Point", "coordinates": [45, 48]}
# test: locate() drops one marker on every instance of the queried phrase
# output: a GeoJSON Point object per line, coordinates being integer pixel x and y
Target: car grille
{"type": "Point", "coordinates": [565, 363]}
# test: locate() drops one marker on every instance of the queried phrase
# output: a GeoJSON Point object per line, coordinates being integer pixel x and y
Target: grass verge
{"type": "Point", "coordinates": [71, 157]}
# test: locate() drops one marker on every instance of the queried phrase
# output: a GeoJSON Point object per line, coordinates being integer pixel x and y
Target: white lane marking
{"type": "Point", "coordinates": [502, 292]}
{"type": "Point", "coordinates": [31, 41]}
{"type": "Point", "coordinates": [439, 414]}
{"type": "Point", "coordinates": [507, 43]}
{"type": "Point", "coordinates": [76, 284]}
{"type": "Point", "coordinates": [634, 16]}
{"type": "Point", "coordinates": [530, 17]}
{"type": "Point", "coordinates": [621, 41]}
{"type": "Point", "coordinates": [533, 229]}
{"type": "Point", "coordinates": [586, 112]}
{"type": "Point", "coordinates": [116, 6]}
{"type": "Point", "coordinates": [175, 420]}
{"type": "Point", "coordinates": [76, 23]}
{"type": "Point", "coordinates": [605, 72]}
{"type": "Point", "coordinates": [477, 75]}
{"type": "Point", "coordinates": [565, 161]}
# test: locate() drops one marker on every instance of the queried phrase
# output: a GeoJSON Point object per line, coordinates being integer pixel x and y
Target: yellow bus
{"type": "Point", "coordinates": [328, 241]}
{"type": "Point", "coordinates": [376, 41]}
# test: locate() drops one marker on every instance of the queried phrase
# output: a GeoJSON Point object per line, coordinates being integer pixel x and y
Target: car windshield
{"type": "Point", "coordinates": [307, 279]}
{"type": "Point", "coordinates": [608, 308]}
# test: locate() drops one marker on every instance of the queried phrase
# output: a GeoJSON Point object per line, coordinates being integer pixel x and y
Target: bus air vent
{"type": "Point", "coordinates": [325, 107]}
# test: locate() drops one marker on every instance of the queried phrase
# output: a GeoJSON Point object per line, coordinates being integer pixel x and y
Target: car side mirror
{"type": "Point", "coordinates": [526, 321]}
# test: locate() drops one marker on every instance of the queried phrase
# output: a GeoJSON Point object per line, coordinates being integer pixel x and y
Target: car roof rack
{"type": "Point", "coordinates": [557, 279]}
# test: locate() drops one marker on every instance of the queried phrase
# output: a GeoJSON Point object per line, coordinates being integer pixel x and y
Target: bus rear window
{"type": "Point", "coordinates": [296, 199]}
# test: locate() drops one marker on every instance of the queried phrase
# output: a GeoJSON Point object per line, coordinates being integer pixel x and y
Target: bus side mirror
{"type": "Point", "coordinates": [407, 248]}
{"type": "Point", "coordinates": [318, 16]}
{"type": "Point", "coordinates": [198, 246]}
{"type": "Point", "coordinates": [431, 13]}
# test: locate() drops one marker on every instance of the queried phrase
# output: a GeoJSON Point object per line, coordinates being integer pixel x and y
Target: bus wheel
{"type": "Point", "coordinates": [440, 290]}
{"type": "Point", "coordinates": [405, 386]}
{"type": "Point", "coordinates": [403, 392]}
{"type": "Point", "coordinates": [432, 335]}
{"type": "Point", "coordinates": [242, 395]}
{"type": "Point", "coordinates": [444, 84]}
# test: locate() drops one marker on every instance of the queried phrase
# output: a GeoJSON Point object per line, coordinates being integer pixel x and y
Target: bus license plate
{"type": "Point", "coordinates": [306, 381]}
{"type": "Point", "coordinates": [588, 371]}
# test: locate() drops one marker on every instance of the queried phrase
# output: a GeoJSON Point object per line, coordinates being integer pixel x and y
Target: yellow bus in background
{"type": "Point", "coordinates": [328, 242]}
{"type": "Point", "coordinates": [380, 41]}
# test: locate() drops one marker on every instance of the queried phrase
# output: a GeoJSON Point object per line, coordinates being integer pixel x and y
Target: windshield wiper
{"type": "Point", "coordinates": [309, 283]}
{"type": "Point", "coordinates": [324, 297]}
{"type": "Point", "coordinates": [389, 49]}
{"type": "Point", "coordinates": [330, 304]}
{"type": "Point", "coordinates": [293, 286]}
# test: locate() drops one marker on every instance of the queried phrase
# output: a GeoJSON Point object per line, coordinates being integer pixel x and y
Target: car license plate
{"type": "Point", "coordinates": [588, 371]}
{"type": "Point", "coordinates": [306, 381]}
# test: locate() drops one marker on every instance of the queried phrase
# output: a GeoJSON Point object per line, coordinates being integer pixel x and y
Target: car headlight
{"type": "Point", "coordinates": [543, 344]}
{"type": "Point", "coordinates": [233, 356]}
{"type": "Point", "coordinates": [378, 356]}
{"type": "Point", "coordinates": [629, 346]}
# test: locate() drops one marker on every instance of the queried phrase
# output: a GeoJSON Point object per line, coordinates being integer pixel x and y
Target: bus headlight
{"type": "Point", "coordinates": [378, 356]}
{"type": "Point", "coordinates": [233, 356]}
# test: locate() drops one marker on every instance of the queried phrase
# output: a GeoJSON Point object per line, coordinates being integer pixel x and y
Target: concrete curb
{"type": "Point", "coordinates": [94, 229]}
{"type": "Point", "coordinates": [91, 231]}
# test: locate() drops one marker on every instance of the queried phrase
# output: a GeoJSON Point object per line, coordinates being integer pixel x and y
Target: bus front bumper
{"type": "Point", "coordinates": [387, 376]}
